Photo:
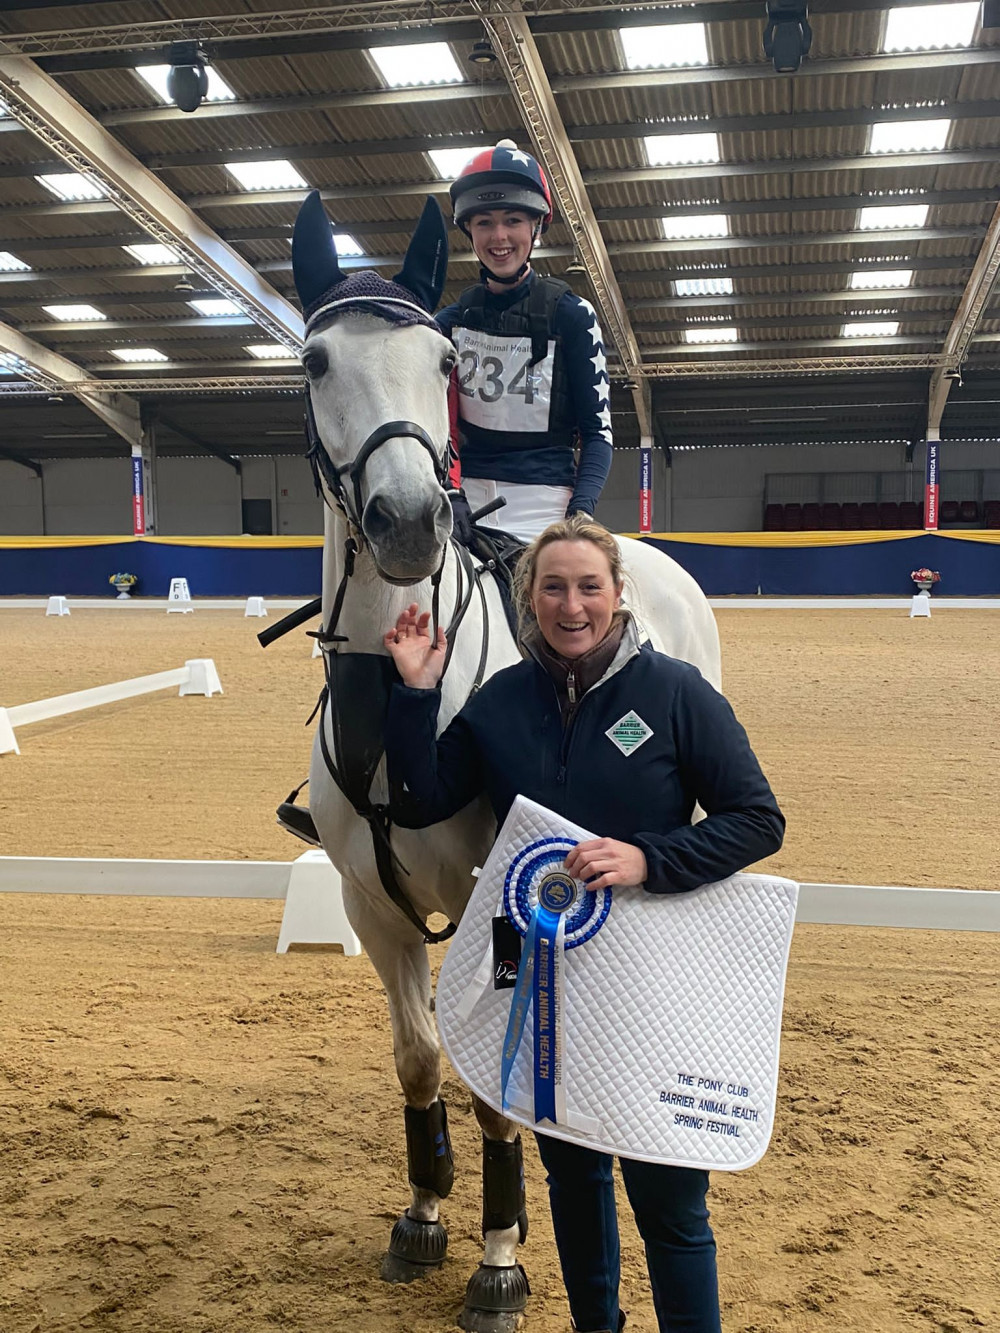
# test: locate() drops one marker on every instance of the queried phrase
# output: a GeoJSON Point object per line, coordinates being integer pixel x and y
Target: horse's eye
{"type": "Point", "coordinates": [448, 363]}
{"type": "Point", "coordinates": [315, 363]}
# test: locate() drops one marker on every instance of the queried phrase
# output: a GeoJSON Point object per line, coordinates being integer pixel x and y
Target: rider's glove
{"type": "Point", "coordinates": [461, 517]}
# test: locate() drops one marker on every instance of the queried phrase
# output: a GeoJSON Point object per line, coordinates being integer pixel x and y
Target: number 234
{"type": "Point", "coordinates": [492, 370]}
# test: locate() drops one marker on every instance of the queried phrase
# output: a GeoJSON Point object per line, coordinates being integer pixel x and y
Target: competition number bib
{"type": "Point", "coordinates": [499, 389]}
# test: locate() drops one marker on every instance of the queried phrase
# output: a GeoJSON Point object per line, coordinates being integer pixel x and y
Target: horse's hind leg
{"type": "Point", "coordinates": [498, 1290]}
{"type": "Point", "coordinates": [419, 1241]}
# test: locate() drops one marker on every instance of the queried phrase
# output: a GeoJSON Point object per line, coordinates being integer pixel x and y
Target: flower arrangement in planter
{"type": "Point", "coordinates": [124, 583]}
{"type": "Point", "coordinates": [925, 579]}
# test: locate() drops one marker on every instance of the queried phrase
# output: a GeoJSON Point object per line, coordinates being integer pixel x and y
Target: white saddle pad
{"type": "Point", "coordinates": [660, 1020]}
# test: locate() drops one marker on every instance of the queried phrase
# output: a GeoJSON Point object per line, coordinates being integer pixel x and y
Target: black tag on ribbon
{"type": "Point", "coordinates": [506, 953]}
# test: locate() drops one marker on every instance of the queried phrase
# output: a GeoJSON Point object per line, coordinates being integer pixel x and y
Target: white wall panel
{"type": "Point", "coordinates": [21, 495]}
{"type": "Point", "coordinates": [299, 508]}
{"type": "Point", "coordinates": [197, 497]}
{"type": "Point", "coordinates": [88, 497]}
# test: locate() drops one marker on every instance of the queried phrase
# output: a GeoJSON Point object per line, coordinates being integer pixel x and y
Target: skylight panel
{"type": "Point", "coordinates": [703, 287]}
{"type": "Point", "coordinates": [893, 215]}
{"type": "Point", "coordinates": [666, 150]}
{"type": "Point", "coordinates": [138, 354]}
{"type": "Point", "coordinates": [4, 108]}
{"type": "Point", "coordinates": [887, 329]}
{"type": "Point", "coordinates": [271, 352]}
{"type": "Point", "coordinates": [930, 27]}
{"type": "Point", "coordinates": [863, 280]}
{"type": "Point", "coordinates": [278, 174]}
{"type": "Point", "coordinates": [214, 306]}
{"type": "Point", "coordinates": [909, 136]}
{"type": "Point", "coordinates": [714, 333]}
{"type": "Point", "coordinates": [11, 264]}
{"type": "Point", "coordinates": [153, 253]}
{"type": "Point", "coordinates": [156, 77]}
{"type": "Point", "coordinates": [696, 228]}
{"type": "Point", "coordinates": [665, 45]}
{"type": "Point", "coordinates": [346, 246]}
{"type": "Point", "coordinates": [448, 162]}
{"type": "Point", "coordinates": [70, 185]}
{"type": "Point", "coordinates": [412, 66]}
{"type": "Point", "coordinates": [72, 313]}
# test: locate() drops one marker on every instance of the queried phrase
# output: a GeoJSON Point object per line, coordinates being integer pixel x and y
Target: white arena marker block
{"type": "Point", "coordinates": [317, 650]}
{"type": "Point", "coordinates": [203, 678]}
{"type": "Point", "coordinates": [8, 741]}
{"type": "Point", "coordinates": [314, 906]}
{"type": "Point", "coordinates": [920, 605]}
{"type": "Point", "coordinates": [255, 607]}
{"type": "Point", "coordinates": [179, 596]}
{"type": "Point", "coordinates": [57, 606]}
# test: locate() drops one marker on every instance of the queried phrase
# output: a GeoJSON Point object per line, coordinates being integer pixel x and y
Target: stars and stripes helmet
{"type": "Point", "coordinates": [501, 177]}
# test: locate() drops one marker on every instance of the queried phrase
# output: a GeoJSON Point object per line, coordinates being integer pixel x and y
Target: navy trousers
{"type": "Point", "coordinates": [670, 1213]}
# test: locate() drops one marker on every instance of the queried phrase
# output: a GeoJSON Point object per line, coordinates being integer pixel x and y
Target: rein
{"type": "Point", "coordinates": [353, 766]}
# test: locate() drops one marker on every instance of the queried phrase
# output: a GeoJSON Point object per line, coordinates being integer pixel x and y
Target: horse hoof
{"type": "Point", "coordinates": [495, 1299]}
{"type": "Point", "coordinates": [415, 1248]}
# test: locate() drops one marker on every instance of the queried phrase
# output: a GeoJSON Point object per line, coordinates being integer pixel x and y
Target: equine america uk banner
{"type": "Point", "coordinates": [138, 498]}
{"type": "Point", "coordinates": [645, 489]}
{"type": "Point", "coordinates": [932, 486]}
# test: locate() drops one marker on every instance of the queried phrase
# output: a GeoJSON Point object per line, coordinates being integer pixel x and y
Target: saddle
{"type": "Point", "coordinates": [499, 551]}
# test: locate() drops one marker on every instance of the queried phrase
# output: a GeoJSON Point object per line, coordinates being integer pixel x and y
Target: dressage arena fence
{"type": "Point", "coordinates": [197, 676]}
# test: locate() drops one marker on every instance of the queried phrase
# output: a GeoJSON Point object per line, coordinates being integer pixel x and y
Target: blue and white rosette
{"type": "Point", "coordinates": [553, 912]}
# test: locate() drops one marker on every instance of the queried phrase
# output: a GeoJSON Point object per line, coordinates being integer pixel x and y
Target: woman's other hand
{"type": "Point", "coordinates": [419, 662]}
{"type": "Point", "coordinates": [602, 862]}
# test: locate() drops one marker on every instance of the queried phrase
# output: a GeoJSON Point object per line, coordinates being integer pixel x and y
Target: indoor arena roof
{"type": "Point", "coordinates": [775, 257]}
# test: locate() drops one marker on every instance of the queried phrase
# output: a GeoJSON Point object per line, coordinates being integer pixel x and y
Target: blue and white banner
{"type": "Point", "coordinates": [645, 489]}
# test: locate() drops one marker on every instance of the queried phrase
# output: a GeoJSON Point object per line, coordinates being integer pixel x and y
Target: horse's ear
{"type": "Point", "coordinates": [314, 255]}
{"type": "Point", "coordinates": [426, 263]}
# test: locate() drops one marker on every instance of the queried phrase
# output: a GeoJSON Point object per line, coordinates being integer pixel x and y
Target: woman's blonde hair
{"type": "Point", "coordinates": [575, 528]}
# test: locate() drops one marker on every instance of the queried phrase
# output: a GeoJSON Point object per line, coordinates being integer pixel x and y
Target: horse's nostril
{"type": "Point", "coordinates": [379, 516]}
{"type": "Point", "coordinates": [438, 512]}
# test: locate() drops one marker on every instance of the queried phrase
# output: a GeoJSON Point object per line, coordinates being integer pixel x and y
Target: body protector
{"type": "Point", "coordinates": [513, 388]}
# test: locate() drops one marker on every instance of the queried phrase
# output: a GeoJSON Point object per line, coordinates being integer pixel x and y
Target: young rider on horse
{"type": "Point", "coordinates": [532, 378]}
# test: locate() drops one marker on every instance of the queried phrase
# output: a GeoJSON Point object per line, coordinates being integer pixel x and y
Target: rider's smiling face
{"type": "Point", "coordinates": [502, 239]}
{"type": "Point", "coordinates": [574, 596]}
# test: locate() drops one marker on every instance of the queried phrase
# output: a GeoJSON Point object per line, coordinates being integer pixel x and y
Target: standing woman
{"type": "Point", "coordinates": [540, 729]}
{"type": "Point", "coordinates": [533, 385]}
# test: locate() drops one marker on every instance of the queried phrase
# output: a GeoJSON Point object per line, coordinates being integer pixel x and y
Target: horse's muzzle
{"type": "Point", "coordinates": [407, 541]}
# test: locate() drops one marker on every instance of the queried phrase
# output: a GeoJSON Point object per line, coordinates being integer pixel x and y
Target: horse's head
{"type": "Point", "coordinates": [377, 369]}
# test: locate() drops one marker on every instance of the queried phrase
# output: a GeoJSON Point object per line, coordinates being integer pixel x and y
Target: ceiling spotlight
{"type": "Point", "coordinates": [576, 266]}
{"type": "Point", "coordinates": [187, 82]}
{"type": "Point", "coordinates": [482, 53]}
{"type": "Point", "coordinates": [787, 36]}
{"type": "Point", "coordinates": [185, 284]}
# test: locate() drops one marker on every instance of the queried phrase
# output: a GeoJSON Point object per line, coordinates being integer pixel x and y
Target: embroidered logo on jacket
{"type": "Point", "coordinates": [629, 732]}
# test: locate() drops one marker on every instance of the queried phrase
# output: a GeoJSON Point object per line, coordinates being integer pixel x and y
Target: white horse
{"type": "Point", "coordinates": [378, 391]}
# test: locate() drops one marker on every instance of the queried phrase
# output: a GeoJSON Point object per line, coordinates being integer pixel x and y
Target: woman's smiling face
{"type": "Point", "coordinates": [502, 239]}
{"type": "Point", "coordinates": [574, 596]}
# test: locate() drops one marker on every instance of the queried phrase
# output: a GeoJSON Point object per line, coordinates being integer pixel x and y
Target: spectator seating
{"type": "Point", "coordinates": [850, 515]}
{"type": "Point", "coordinates": [949, 511]}
{"type": "Point", "coordinates": [888, 514]}
{"type": "Point", "coordinates": [991, 514]}
{"type": "Point", "coordinates": [968, 512]}
{"type": "Point", "coordinates": [910, 514]}
{"type": "Point", "coordinates": [793, 518]}
{"type": "Point", "coordinates": [811, 517]}
{"type": "Point", "coordinates": [869, 514]}
{"type": "Point", "coordinates": [774, 518]}
{"type": "Point", "coordinates": [831, 518]}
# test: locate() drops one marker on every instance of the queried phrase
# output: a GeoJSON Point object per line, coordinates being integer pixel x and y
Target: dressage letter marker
{"type": "Point", "coordinates": [598, 1042]}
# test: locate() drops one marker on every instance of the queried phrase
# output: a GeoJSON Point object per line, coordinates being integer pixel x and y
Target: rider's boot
{"type": "Point", "coordinates": [297, 819]}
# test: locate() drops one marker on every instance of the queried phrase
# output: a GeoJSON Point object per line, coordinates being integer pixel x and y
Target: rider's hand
{"type": "Point", "coordinates": [601, 862]}
{"type": "Point", "coordinates": [461, 518]}
{"type": "Point", "coordinates": [419, 662]}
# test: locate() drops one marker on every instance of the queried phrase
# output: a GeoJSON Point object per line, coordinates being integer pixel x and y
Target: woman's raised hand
{"type": "Point", "coordinates": [419, 662]}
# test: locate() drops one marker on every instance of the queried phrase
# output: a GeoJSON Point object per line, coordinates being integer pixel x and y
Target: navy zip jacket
{"type": "Point", "coordinates": [509, 740]}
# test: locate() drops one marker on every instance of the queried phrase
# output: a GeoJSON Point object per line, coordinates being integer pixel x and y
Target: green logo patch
{"type": "Point", "coordinates": [629, 732]}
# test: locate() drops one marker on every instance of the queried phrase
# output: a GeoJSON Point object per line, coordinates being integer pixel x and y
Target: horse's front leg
{"type": "Point", "coordinates": [498, 1290]}
{"type": "Point", "coordinates": [419, 1241]}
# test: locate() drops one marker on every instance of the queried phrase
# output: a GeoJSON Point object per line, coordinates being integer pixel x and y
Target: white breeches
{"type": "Point", "coordinates": [529, 509]}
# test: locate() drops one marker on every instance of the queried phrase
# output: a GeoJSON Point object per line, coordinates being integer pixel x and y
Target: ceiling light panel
{"type": "Point", "coordinates": [346, 246]}
{"type": "Point", "coordinates": [864, 280]}
{"type": "Point", "coordinates": [712, 334]}
{"type": "Point", "coordinates": [11, 264]}
{"type": "Point", "coordinates": [696, 228]}
{"type": "Point", "coordinates": [138, 354]}
{"type": "Point", "coordinates": [703, 287]}
{"type": "Point", "coordinates": [156, 78]}
{"type": "Point", "coordinates": [73, 313]}
{"type": "Point", "coordinates": [448, 162]}
{"type": "Point", "coordinates": [667, 150]}
{"type": "Point", "coordinates": [213, 307]}
{"type": "Point", "coordinates": [278, 174]}
{"type": "Point", "coordinates": [271, 352]}
{"type": "Point", "coordinates": [664, 46]}
{"type": "Point", "coordinates": [888, 329]}
{"type": "Point", "coordinates": [153, 253]}
{"type": "Point", "coordinates": [909, 136]}
{"type": "Point", "coordinates": [930, 27]}
{"type": "Point", "coordinates": [893, 215]}
{"type": "Point", "coordinates": [417, 65]}
{"type": "Point", "coordinates": [70, 185]}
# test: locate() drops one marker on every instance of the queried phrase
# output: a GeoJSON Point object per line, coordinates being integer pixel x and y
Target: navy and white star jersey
{"type": "Point", "coordinates": [522, 423]}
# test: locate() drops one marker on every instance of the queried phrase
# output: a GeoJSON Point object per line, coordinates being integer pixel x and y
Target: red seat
{"type": "Point", "coordinates": [869, 514]}
{"type": "Point", "coordinates": [991, 514]}
{"type": "Point", "coordinates": [793, 518]}
{"type": "Point", "coordinates": [811, 517]}
{"type": "Point", "coordinates": [968, 512]}
{"type": "Point", "coordinates": [831, 517]}
{"type": "Point", "coordinates": [949, 511]}
{"type": "Point", "coordinates": [850, 515]}
{"type": "Point", "coordinates": [774, 518]}
{"type": "Point", "coordinates": [909, 514]}
{"type": "Point", "coordinates": [888, 514]}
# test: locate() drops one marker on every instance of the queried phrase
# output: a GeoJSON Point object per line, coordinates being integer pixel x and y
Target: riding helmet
{"type": "Point", "coordinates": [501, 177]}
